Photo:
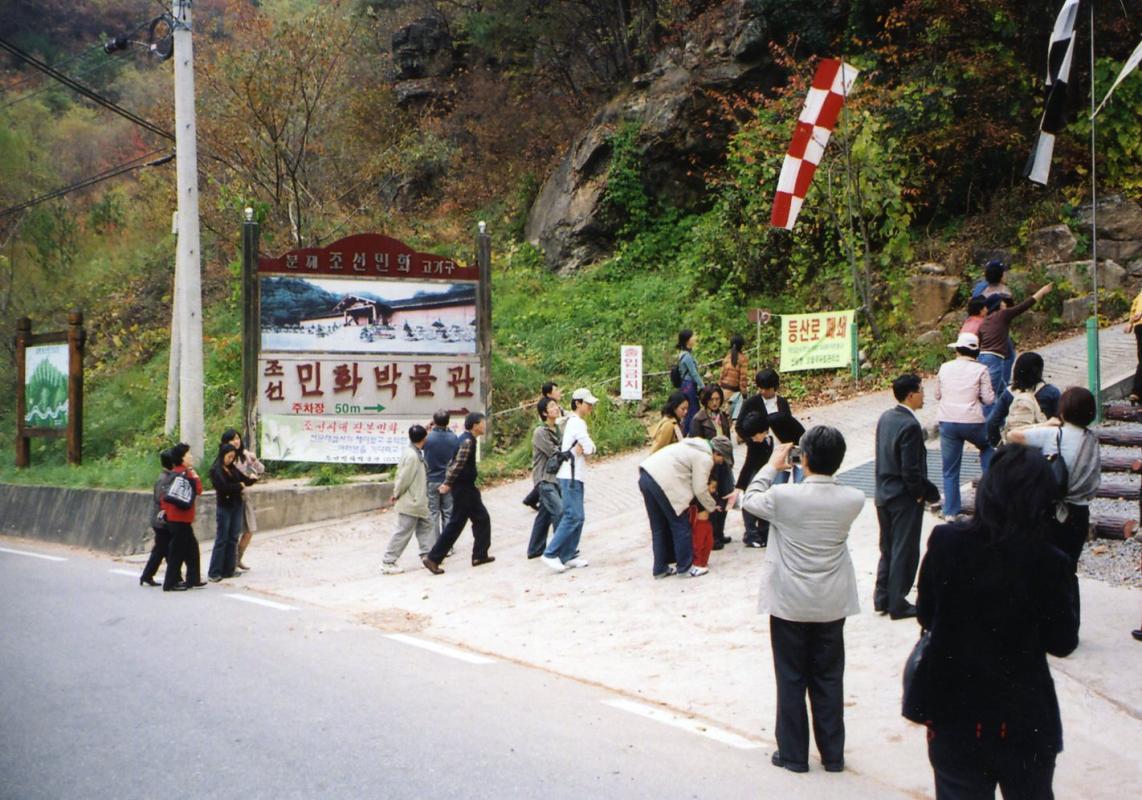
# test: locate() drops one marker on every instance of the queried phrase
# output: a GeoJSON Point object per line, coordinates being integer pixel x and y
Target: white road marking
{"type": "Point", "coordinates": [441, 649]}
{"type": "Point", "coordinates": [685, 723]}
{"type": "Point", "coordinates": [245, 598]}
{"type": "Point", "coordinates": [31, 555]}
{"type": "Point", "coordinates": [126, 572]}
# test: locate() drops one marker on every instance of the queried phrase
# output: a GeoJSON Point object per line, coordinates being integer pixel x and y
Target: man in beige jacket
{"type": "Point", "coordinates": [410, 500]}
{"type": "Point", "coordinates": [808, 587]}
{"type": "Point", "coordinates": [669, 480]}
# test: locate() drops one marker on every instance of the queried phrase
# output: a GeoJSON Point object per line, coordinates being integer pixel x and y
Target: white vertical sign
{"type": "Point", "coordinates": [630, 360]}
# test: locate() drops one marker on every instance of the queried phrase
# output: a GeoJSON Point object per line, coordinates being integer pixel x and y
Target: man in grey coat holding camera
{"type": "Point", "coordinates": [808, 587]}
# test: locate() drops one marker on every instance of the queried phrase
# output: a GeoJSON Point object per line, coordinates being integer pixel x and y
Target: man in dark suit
{"type": "Point", "coordinates": [776, 419]}
{"type": "Point", "coordinates": [902, 486]}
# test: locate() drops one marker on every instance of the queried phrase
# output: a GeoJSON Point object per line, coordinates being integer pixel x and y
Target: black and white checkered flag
{"type": "Point", "coordinates": [1058, 72]}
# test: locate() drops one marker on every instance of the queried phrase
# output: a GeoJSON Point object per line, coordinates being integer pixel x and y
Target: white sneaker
{"type": "Point", "coordinates": [578, 563]}
{"type": "Point", "coordinates": [554, 563]}
{"type": "Point", "coordinates": [391, 569]}
{"type": "Point", "coordinates": [698, 572]}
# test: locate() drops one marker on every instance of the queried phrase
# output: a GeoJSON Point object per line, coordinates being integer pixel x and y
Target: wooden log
{"type": "Point", "coordinates": [1119, 437]}
{"type": "Point", "coordinates": [1121, 464]}
{"type": "Point", "coordinates": [1111, 490]}
{"type": "Point", "coordinates": [1122, 413]}
{"type": "Point", "coordinates": [1101, 527]}
{"type": "Point", "coordinates": [1113, 527]}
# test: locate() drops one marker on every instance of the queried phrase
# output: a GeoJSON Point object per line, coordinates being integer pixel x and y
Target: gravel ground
{"type": "Point", "coordinates": [1116, 563]}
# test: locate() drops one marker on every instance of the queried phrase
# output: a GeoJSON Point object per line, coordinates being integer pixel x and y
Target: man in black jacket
{"type": "Point", "coordinates": [902, 486]}
{"type": "Point", "coordinates": [774, 417]}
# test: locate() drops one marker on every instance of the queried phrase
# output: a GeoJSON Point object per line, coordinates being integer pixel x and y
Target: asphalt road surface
{"type": "Point", "coordinates": [110, 690]}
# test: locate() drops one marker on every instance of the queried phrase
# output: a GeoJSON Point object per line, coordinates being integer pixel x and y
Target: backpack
{"type": "Point", "coordinates": [1024, 410]}
{"type": "Point", "coordinates": [180, 492]}
{"type": "Point", "coordinates": [556, 460]}
{"type": "Point", "coordinates": [676, 373]}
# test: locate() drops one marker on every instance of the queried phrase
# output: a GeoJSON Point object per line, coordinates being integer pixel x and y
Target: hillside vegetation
{"type": "Point", "coordinates": [310, 114]}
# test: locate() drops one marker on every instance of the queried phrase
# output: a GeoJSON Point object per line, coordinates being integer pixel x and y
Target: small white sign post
{"type": "Point", "coordinates": [630, 360]}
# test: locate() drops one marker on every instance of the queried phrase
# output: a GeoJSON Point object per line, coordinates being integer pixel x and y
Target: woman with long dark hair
{"type": "Point", "coordinates": [249, 465]}
{"type": "Point", "coordinates": [692, 382]}
{"type": "Point", "coordinates": [996, 598]}
{"type": "Point", "coordinates": [228, 484]}
{"type": "Point", "coordinates": [735, 378]}
{"type": "Point", "coordinates": [713, 421]}
{"type": "Point", "coordinates": [180, 521]}
{"type": "Point", "coordinates": [668, 429]}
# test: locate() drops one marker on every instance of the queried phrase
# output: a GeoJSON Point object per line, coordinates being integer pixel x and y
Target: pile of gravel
{"type": "Point", "coordinates": [1115, 562]}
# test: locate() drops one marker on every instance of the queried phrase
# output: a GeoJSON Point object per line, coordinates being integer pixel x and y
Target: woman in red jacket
{"type": "Point", "coordinates": [183, 546]}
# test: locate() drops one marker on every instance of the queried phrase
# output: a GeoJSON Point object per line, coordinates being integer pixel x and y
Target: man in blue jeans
{"type": "Point", "coordinates": [562, 551]}
{"type": "Point", "coordinates": [668, 480]}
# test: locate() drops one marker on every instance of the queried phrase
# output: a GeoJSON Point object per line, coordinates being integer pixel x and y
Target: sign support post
{"type": "Point", "coordinates": [484, 320]}
{"type": "Point", "coordinates": [251, 329]}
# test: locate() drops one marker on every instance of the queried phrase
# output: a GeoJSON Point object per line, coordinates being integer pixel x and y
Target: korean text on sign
{"type": "Point", "coordinates": [816, 341]}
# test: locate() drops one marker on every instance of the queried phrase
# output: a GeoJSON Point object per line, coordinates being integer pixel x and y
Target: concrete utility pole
{"type": "Point", "coordinates": [171, 423]}
{"type": "Point", "coordinates": [188, 271]}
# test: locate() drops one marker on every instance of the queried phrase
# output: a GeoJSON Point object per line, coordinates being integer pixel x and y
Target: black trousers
{"type": "Point", "coordinates": [725, 478]}
{"type": "Point", "coordinates": [969, 769]}
{"type": "Point", "coordinates": [1136, 387]}
{"type": "Point", "coordinates": [159, 551]}
{"type": "Point", "coordinates": [809, 656]}
{"type": "Point", "coordinates": [900, 523]}
{"type": "Point", "coordinates": [183, 549]}
{"type": "Point", "coordinates": [1070, 536]}
{"type": "Point", "coordinates": [466, 505]}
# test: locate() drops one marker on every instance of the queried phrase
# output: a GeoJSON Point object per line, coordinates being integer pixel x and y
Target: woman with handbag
{"type": "Point", "coordinates": [1077, 447]}
{"type": "Point", "coordinates": [249, 465]}
{"type": "Point", "coordinates": [996, 598]}
{"type": "Point", "coordinates": [178, 508]}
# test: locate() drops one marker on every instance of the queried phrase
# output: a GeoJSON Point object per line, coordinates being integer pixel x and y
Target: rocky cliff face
{"type": "Point", "coordinates": [669, 106]}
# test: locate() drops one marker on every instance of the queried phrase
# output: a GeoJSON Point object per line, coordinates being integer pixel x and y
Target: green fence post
{"type": "Point", "coordinates": [855, 352]}
{"type": "Point", "coordinates": [1094, 373]}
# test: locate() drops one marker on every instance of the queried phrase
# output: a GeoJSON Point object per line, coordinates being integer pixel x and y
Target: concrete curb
{"type": "Point", "coordinates": [116, 521]}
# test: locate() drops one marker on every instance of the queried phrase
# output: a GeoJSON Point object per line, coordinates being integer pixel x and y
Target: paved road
{"type": "Point", "coordinates": [114, 691]}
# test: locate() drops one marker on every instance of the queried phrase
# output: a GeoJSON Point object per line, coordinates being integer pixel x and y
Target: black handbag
{"type": "Point", "coordinates": [917, 680]}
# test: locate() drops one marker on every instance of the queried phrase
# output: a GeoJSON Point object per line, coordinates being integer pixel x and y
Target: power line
{"type": "Point", "coordinates": [83, 90]}
{"type": "Point", "coordinates": [91, 69]}
{"type": "Point", "coordinates": [94, 179]}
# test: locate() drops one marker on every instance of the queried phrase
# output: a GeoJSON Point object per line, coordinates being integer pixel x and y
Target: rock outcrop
{"type": "Point", "coordinates": [1077, 273]}
{"type": "Point", "coordinates": [423, 56]}
{"type": "Point", "coordinates": [668, 104]}
{"type": "Point", "coordinates": [931, 294]}
{"type": "Point", "coordinates": [1050, 245]}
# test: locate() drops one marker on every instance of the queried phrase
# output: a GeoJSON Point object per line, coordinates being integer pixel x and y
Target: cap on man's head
{"type": "Point", "coordinates": [584, 395]}
{"type": "Point", "coordinates": [723, 447]}
{"type": "Point", "coordinates": [968, 341]}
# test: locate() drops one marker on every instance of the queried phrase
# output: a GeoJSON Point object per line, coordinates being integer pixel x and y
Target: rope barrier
{"type": "Point", "coordinates": [756, 350]}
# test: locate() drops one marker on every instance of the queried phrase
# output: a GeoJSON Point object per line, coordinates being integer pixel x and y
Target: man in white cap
{"type": "Point", "coordinates": [963, 388]}
{"type": "Point", "coordinates": [563, 550]}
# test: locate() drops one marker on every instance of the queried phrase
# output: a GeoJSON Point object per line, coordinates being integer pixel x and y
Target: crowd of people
{"type": "Point", "coordinates": [997, 589]}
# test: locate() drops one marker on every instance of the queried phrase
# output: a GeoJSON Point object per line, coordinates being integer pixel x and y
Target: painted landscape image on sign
{"type": "Point", "coordinates": [45, 387]}
{"type": "Point", "coordinates": [375, 316]}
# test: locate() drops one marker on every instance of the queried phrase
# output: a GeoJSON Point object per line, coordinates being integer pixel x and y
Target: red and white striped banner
{"type": "Point", "coordinates": [831, 85]}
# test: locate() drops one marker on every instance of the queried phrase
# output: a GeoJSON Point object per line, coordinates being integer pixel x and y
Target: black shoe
{"type": "Point", "coordinates": [215, 578]}
{"type": "Point", "coordinates": [178, 587]}
{"type": "Point", "coordinates": [718, 546]}
{"type": "Point", "coordinates": [834, 766]}
{"type": "Point", "coordinates": [197, 585]}
{"type": "Point", "coordinates": [534, 555]}
{"type": "Point", "coordinates": [476, 562]}
{"type": "Point", "coordinates": [148, 582]}
{"type": "Point", "coordinates": [431, 566]}
{"type": "Point", "coordinates": [777, 761]}
{"type": "Point", "coordinates": [1137, 634]}
{"type": "Point", "coordinates": [907, 613]}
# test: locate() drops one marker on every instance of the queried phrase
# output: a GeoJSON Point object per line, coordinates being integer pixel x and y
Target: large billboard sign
{"type": "Point", "coordinates": [358, 341]}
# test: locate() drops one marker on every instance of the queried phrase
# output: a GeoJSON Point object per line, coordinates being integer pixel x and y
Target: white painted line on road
{"type": "Point", "coordinates": [441, 649]}
{"type": "Point", "coordinates": [31, 555]}
{"type": "Point", "coordinates": [686, 724]}
{"type": "Point", "coordinates": [126, 572]}
{"type": "Point", "coordinates": [245, 598]}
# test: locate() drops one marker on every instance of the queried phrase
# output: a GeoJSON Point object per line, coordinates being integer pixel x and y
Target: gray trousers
{"type": "Point", "coordinates": [439, 508]}
{"type": "Point", "coordinates": [406, 526]}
